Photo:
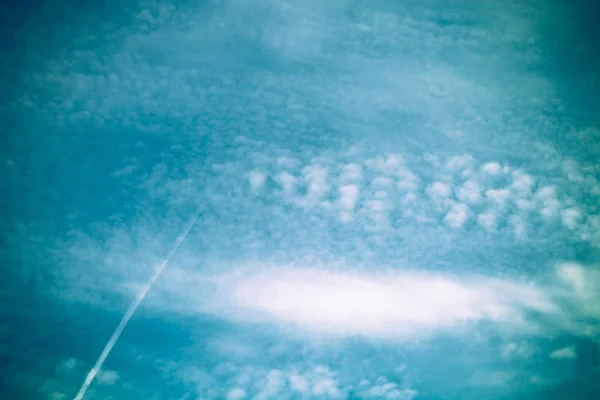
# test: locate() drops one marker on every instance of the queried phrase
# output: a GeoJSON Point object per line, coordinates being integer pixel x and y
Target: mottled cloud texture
{"type": "Point", "coordinates": [399, 200]}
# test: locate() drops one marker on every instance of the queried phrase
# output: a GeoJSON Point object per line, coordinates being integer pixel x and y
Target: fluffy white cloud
{"type": "Point", "coordinates": [382, 181]}
{"type": "Point", "coordinates": [382, 389]}
{"type": "Point", "coordinates": [492, 168]}
{"type": "Point", "coordinates": [316, 176]}
{"type": "Point", "coordinates": [376, 205]}
{"type": "Point", "coordinates": [470, 192]}
{"type": "Point", "coordinates": [518, 225]}
{"type": "Point", "coordinates": [287, 181]}
{"type": "Point", "coordinates": [305, 379]}
{"type": "Point", "coordinates": [407, 181]}
{"type": "Point", "coordinates": [439, 190]}
{"type": "Point", "coordinates": [498, 196]}
{"type": "Point", "coordinates": [326, 387]}
{"type": "Point", "coordinates": [584, 281]}
{"type": "Point", "coordinates": [570, 217]}
{"type": "Point", "coordinates": [236, 394]}
{"type": "Point", "coordinates": [487, 219]}
{"type": "Point", "coordinates": [348, 196]}
{"type": "Point", "coordinates": [459, 161]}
{"type": "Point", "coordinates": [547, 200]}
{"type": "Point", "coordinates": [566, 353]}
{"type": "Point", "coordinates": [521, 349]}
{"type": "Point", "coordinates": [393, 305]}
{"type": "Point", "coordinates": [68, 365]}
{"type": "Point", "coordinates": [107, 377]}
{"type": "Point", "coordinates": [522, 182]}
{"type": "Point", "coordinates": [257, 179]}
{"type": "Point", "coordinates": [299, 383]}
{"type": "Point", "coordinates": [387, 164]}
{"type": "Point", "coordinates": [351, 172]}
{"type": "Point", "coordinates": [457, 216]}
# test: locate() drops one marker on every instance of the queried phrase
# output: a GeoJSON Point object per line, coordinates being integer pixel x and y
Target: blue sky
{"type": "Point", "coordinates": [398, 199]}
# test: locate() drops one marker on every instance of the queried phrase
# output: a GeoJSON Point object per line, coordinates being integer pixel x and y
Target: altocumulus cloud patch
{"type": "Point", "coordinates": [400, 199]}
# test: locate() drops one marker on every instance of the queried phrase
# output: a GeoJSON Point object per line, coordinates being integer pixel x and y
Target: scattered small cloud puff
{"type": "Point", "coordinates": [304, 380]}
{"type": "Point", "coordinates": [68, 365]}
{"type": "Point", "coordinates": [256, 179]}
{"type": "Point", "coordinates": [491, 168]}
{"type": "Point", "coordinates": [382, 389]}
{"type": "Point", "coordinates": [521, 349]}
{"type": "Point", "coordinates": [566, 353]}
{"type": "Point", "coordinates": [584, 282]}
{"type": "Point", "coordinates": [236, 394]}
{"type": "Point", "coordinates": [107, 377]}
{"type": "Point", "coordinates": [366, 189]}
{"type": "Point", "coordinates": [457, 216]}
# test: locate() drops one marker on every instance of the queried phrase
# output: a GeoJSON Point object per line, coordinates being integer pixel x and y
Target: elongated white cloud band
{"type": "Point", "coordinates": [389, 305]}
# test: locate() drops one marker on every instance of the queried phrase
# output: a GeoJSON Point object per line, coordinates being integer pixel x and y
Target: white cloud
{"type": "Point", "coordinates": [407, 181]}
{"type": "Point", "coordinates": [236, 394]}
{"type": "Point", "coordinates": [257, 179]}
{"type": "Point", "coordinates": [546, 192]}
{"type": "Point", "coordinates": [550, 208]}
{"type": "Point", "coordinates": [393, 161]}
{"type": "Point", "coordinates": [459, 161]}
{"type": "Point", "coordinates": [570, 168]}
{"type": "Point", "coordinates": [275, 382]}
{"type": "Point", "coordinates": [316, 176]}
{"type": "Point", "coordinates": [376, 205]}
{"type": "Point", "coordinates": [498, 195]}
{"type": "Point", "coordinates": [107, 377]}
{"type": "Point", "coordinates": [348, 196]}
{"type": "Point", "coordinates": [433, 160]}
{"type": "Point", "coordinates": [382, 181]}
{"type": "Point", "coordinates": [382, 389]}
{"type": "Point", "coordinates": [439, 190]}
{"type": "Point", "coordinates": [566, 353]}
{"type": "Point", "coordinates": [393, 305]}
{"type": "Point", "coordinates": [585, 284]}
{"type": "Point", "coordinates": [287, 162]}
{"type": "Point", "coordinates": [127, 170]}
{"type": "Point", "coordinates": [299, 383]}
{"type": "Point", "coordinates": [518, 349]}
{"type": "Point", "coordinates": [518, 225]}
{"type": "Point", "coordinates": [470, 192]}
{"type": "Point", "coordinates": [326, 386]}
{"type": "Point", "coordinates": [492, 168]}
{"type": "Point", "coordinates": [522, 182]}
{"type": "Point", "coordinates": [345, 216]}
{"type": "Point", "coordinates": [351, 172]}
{"type": "Point", "coordinates": [487, 219]}
{"type": "Point", "coordinates": [524, 205]}
{"type": "Point", "coordinates": [287, 181]}
{"type": "Point", "coordinates": [547, 199]}
{"type": "Point", "coordinates": [457, 216]}
{"type": "Point", "coordinates": [68, 365]}
{"type": "Point", "coordinates": [590, 230]}
{"type": "Point", "coordinates": [570, 217]}
{"type": "Point", "coordinates": [387, 164]}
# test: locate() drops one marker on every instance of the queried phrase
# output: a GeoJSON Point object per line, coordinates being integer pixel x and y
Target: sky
{"type": "Point", "coordinates": [397, 199]}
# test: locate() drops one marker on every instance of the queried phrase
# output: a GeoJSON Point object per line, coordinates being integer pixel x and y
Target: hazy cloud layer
{"type": "Point", "coordinates": [399, 200]}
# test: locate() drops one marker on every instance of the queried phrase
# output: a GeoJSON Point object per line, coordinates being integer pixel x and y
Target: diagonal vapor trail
{"type": "Point", "coordinates": [132, 308]}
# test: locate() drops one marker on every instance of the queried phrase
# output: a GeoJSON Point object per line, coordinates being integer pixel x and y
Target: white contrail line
{"type": "Point", "coordinates": [131, 310]}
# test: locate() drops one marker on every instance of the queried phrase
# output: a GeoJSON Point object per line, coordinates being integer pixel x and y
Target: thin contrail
{"type": "Point", "coordinates": [131, 310]}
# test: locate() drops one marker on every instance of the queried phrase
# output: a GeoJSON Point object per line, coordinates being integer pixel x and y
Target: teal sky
{"type": "Point", "coordinates": [398, 199]}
